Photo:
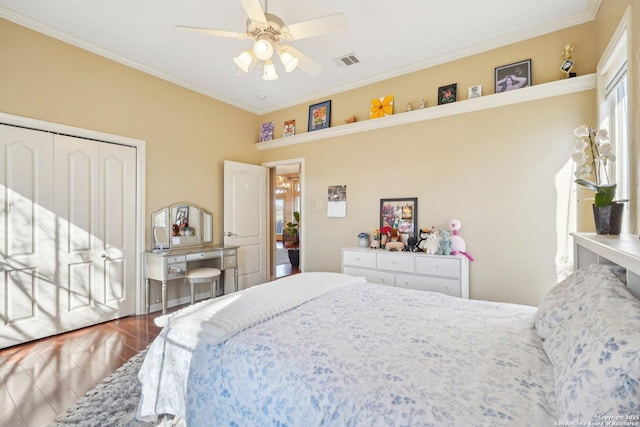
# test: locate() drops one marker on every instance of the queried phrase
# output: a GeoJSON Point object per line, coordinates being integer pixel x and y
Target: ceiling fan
{"type": "Point", "coordinates": [269, 32]}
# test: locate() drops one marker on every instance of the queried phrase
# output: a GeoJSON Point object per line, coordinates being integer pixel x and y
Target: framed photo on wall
{"type": "Point", "coordinates": [319, 116]}
{"type": "Point", "coordinates": [513, 76]}
{"type": "Point", "coordinates": [402, 214]}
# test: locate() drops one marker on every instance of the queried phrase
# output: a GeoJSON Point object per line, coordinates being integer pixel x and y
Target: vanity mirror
{"type": "Point", "coordinates": [181, 225]}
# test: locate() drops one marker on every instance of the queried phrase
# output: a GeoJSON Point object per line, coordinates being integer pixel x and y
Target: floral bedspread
{"type": "Point", "coordinates": [362, 356]}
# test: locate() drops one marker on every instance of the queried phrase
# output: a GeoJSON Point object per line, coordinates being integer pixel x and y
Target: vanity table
{"type": "Point", "coordinates": [177, 251]}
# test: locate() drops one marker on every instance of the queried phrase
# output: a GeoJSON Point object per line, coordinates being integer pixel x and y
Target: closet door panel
{"type": "Point", "coordinates": [27, 235]}
{"type": "Point", "coordinates": [77, 205]}
{"type": "Point", "coordinates": [118, 165]}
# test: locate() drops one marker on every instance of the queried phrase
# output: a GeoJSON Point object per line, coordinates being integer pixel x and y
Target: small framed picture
{"type": "Point", "coordinates": [319, 116]}
{"type": "Point", "coordinates": [266, 132]}
{"type": "Point", "coordinates": [567, 65]}
{"type": "Point", "coordinates": [475, 92]}
{"type": "Point", "coordinates": [289, 128]}
{"type": "Point", "coordinates": [447, 94]}
{"type": "Point", "coordinates": [513, 76]}
{"type": "Point", "coordinates": [182, 216]}
{"type": "Point", "coordinates": [401, 214]}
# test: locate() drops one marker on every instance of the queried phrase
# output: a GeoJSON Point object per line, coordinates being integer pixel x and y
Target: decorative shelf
{"type": "Point", "coordinates": [531, 93]}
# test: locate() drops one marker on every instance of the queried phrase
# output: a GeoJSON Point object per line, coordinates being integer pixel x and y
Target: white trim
{"type": "Point", "coordinates": [495, 43]}
{"type": "Point", "coordinates": [140, 147]}
{"type": "Point", "coordinates": [546, 90]}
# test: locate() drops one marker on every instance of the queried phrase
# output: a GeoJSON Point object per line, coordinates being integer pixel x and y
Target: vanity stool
{"type": "Point", "coordinates": [203, 275]}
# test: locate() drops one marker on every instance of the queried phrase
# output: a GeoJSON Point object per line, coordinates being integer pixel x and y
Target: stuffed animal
{"type": "Point", "coordinates": [394, 235]}
{"type": "Point", "coordinates": [422, 239]}
{"type": "Point", "coordinates": [458, 245]}
{"type": "Point", "coordinates": [394, 246]}
{"type": "Point", "coordinates": [445, 243]}
{"type": "Point", "coordinates": [432, 244]}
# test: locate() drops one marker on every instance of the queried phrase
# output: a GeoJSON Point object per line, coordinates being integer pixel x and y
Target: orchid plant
{"type": "Point", "coordinates": [591, 152]}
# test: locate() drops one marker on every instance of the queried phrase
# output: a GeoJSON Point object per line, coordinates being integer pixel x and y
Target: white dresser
{"type": "Point", "coordinates": [448, 274]}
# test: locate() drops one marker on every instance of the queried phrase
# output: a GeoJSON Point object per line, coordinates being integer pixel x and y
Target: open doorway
{"type": "Point", "coordinates": [287, 201]}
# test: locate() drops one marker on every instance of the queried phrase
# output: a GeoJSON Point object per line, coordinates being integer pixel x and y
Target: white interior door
{"type": "Point", "coordinates": [27, 236]}
{"type": "Point", "coordinates": [245, 219]}
{"type": "Point", "coordinates": [95, 204]}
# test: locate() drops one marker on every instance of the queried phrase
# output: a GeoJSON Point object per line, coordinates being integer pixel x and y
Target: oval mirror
{"type": "Point", "coordinates": [161, 238]}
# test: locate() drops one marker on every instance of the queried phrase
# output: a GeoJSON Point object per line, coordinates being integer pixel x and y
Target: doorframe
{"type": "Point", "coordinates": [271, 166]}
{"type": "Point", "coordinates": [139, 145]}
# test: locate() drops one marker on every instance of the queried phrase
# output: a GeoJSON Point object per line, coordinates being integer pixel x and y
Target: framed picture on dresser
{"type": "Point", "coordinates": [400, 213]}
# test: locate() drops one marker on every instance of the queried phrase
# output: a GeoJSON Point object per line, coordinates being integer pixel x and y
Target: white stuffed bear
{"type": "Point", "coordinates": [432, 244]}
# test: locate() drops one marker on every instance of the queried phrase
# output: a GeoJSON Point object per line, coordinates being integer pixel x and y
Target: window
{"type": "Point", "coordinates": [614, 112]}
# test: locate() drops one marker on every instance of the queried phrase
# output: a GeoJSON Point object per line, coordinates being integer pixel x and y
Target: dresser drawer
{"type": "Point", "coordinates": [435, 266]}
{"type": "Point", "coordinates": [230, 262]}
{"type": "Point", "coordinates": [204, 255]}
{"type": "Point", "coordinates": [372, 276]}
{"type": "Point", "coordinates": [433, 284]}
{"type": "Point", "coordinates": [359, 259]}
{"type": "Point", "coordinates": [395, 262]}
{"type": "Point", "coordinates": [176, 258]}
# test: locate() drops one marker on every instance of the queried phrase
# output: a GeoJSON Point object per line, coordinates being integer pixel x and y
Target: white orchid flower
{"type": "Point", "coordinates": [581, 131]}
{"type": "Point", "coordinates": [602, 135]}
{"type": "Point", "coordinates": [580, 158]}
{"type": "Point", "coordinates": [580, 145]}
{"type": "Point", "coordinates": [605, 148]}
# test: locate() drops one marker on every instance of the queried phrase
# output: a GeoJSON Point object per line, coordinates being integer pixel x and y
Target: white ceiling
{"type": "Point", "coordinates": [389, 38]}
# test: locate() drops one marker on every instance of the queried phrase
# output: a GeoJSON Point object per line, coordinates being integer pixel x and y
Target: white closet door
{"type": "Point", "coordinates": [95, 203]}
{"type": "Point", "coordinates": [27, 236]}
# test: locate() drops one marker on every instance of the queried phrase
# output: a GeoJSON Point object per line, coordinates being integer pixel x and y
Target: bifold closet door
{"type": "Point", "coordinates": [27, 236]}
{"type": "Point", "coordinates": [95, 207]}
{"type": "Point", "coordinates": [67, 233]}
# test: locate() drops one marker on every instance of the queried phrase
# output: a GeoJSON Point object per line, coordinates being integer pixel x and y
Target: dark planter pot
{"type": "Point", "coordinates": [608, 219]}
{"type": "Point", "coordinates": [294, 257]}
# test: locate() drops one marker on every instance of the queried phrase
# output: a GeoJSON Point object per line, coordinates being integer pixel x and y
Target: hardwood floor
{"type": "Point", "coordinates": [41, 379]}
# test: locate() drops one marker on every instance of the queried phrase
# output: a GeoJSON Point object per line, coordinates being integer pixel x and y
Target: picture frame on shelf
{"type": "Point", "coordinates": [319, 116]}
{"type": "Point", "coordinates": [474, 92]}
{"type": "Point", "coordinates": [513, 76]}
{"type": "Point", "coordinates": [289, 128]}
{"type": "Point", "coordinates": [400, 213]}
{"type": "Point", "coordinates": [447, 94]}
{"type": "Point", "coordinates": [266, 132]}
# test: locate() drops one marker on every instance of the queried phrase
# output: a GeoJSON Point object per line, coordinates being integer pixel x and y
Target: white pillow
{"type": "Point", "coordinates": [595, 354]}
{"type": "Point", "coordinates": [562, 301]}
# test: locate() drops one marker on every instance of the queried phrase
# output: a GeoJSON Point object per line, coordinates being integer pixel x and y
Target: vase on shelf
{"type": "Point", "coordinates": [608, 219]}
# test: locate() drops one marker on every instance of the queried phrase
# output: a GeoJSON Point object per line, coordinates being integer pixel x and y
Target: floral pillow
{"type": "Point", "coordinates": [563, 300]}
{"type": "Point", "coordinates": [595, 354]}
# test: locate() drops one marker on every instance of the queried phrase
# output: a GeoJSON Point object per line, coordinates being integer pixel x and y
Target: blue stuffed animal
{"type": "Point", "coordinates": [445, 243]}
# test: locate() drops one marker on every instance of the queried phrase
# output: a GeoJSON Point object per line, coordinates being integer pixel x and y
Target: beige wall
{"type": "Point", "coordinates": [505, 173]}
{"type": "Point", "coordinates": [502, 172]}
{"type": "Point", "coordinates": [187, 135]}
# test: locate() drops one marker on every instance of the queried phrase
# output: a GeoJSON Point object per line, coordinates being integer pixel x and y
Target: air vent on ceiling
{"type": "Point", "coordinates": [348, 60]}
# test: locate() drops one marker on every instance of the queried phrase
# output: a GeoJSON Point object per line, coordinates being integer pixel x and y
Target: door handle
{"type": "Point", "coordinates": [230, 234]}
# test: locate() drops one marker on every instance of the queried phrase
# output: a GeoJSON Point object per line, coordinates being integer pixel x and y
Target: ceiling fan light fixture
{"type": "Point", "coordinates": [289, 61]}
{"type": "Point", "coordinates": [243, 61]}
{"type": "Point", "coordinates": [269, 71]}
{"type": "Point", "coordinates": [263, 49]}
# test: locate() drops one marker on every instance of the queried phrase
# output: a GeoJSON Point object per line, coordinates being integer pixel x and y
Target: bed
{"type": "Point", "coordinates": [319, 349]}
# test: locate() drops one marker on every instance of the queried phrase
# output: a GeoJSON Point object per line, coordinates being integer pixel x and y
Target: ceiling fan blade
{"type": "Point", "coordinates": [254, 10]}
{"type": "Point", "coordinates": [211, 32]}
{"type": "Point", "coordinates": [315, 27]}
{"type": "Point", "coordinates": [306, 64]}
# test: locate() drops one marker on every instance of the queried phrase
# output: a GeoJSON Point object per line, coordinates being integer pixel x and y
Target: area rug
{"type": "Point", "coordinates": [282, 256]}
{"type": "Point", "coordinates": [113, 402]}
